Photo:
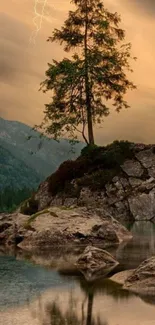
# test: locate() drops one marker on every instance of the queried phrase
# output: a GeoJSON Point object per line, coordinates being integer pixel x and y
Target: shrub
{"type": "Point", "coordinates": [97, 180]}
{"type": "Point", "coordinates": [89, 150]}
{"type": "Point", "coordinates": [66, 172]}
{"type": "Point", "coordinates": [98, 163]}
{"type": "Point", "coordinates": [29, 206]}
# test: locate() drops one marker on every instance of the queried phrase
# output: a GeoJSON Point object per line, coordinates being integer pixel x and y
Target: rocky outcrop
{"type": "Point", "coordinates": [121, 277]}
{"type": "Point", "coordinates": [95, 263]}
{"type": "Point", "coordinates": [59, 226]}
{"type": "Point", "coordinates": [12, 230]}
{"type": "Point", "coordinates": [128, 196]}
{"type": "Point", "coordinates": [142, 206]}
{"type": "Point", "coordinates": [142, 280]}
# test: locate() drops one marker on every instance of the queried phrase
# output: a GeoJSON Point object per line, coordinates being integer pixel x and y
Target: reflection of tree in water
{"type": "Point", "coordinates": [70, 316]}
{"type": "Point", "coordinates": [84, 314]}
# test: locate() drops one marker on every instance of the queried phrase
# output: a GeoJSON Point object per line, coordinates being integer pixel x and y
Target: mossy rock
{"type": "Point", "coordinates": [29, 206]}
{"type": "Point", "coordinates": [33, 217]}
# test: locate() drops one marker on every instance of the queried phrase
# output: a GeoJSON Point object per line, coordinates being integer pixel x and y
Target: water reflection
{"type": "Point", "coordinates": [139, 248]}
{"type": "Point", "coordinates": [57, 294]}
{"type": "Point", "coordinates": [98, 303]}
{"type": "Point", "coordinates": [70, 317]}
{"type": "Point", "coordinates": [79, 306]}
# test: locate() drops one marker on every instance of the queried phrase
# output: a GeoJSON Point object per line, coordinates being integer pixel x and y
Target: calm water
{"type": "Point", "coordinates": [55, 294]}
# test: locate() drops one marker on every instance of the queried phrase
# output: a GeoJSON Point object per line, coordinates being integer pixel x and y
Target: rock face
{"type": "Point", "coordinates": [132, 168]}
{"type": "Point", "coordinates": [59, 226]}
{"type": "Point", "coordinates": [128, 196]}
{"type": "Point", "coordinates": [142, 280]}
{"type": "Point", "coordinates": [142, 206]}
{"type": "Point", "coordinates": [95, 263]}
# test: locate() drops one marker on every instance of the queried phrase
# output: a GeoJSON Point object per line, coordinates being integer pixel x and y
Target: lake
{"type": "Point", "coordinates": [44, 289]}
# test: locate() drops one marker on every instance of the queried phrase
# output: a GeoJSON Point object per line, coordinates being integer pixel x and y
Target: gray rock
{"type": "Point", "coordinates": [132, 168]}
{"type": "Point", "coordinates": [151, 171]}
{"type": "Point", "coordinates": [142, 206]}
{"type": "Point", "coordinates": [43, 196]}
{"type": "Point", "coordinates": [95, 263]}
{"type": "Point", "coordinates": [124, 182]}
{"type": "Point", "coordinates": [135, 182]}
{"type": "Point", "coordinates": [142, 280]}
{"type": "Point", "coordinates": [146, 157]}
{"type": "Point", "coordinates": [110, 231]}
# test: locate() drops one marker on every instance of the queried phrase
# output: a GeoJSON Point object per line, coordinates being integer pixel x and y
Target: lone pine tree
{"type": "Point", "coordinates": [95, 76]}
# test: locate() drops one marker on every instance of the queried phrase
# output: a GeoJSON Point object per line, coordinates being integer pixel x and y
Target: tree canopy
{"type": "Point", "coordinates": [85, 86]}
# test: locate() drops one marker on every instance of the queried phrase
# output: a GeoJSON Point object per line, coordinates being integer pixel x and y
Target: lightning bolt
{"type": "Point", "coordinates": [38, 18]}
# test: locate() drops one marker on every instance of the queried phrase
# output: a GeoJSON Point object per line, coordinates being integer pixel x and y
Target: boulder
{"type": "Point", "coordinates": [121, 277]}
{"type": "Point", "coordinates": [135, 182]}
{"type": "Point", "coordinates": [146, 158]}
{"type": "Point", "coordinates": [12, 228]}
{"type": "Point", "coordinates": [95, 263]}
{"type": "Point", "coordinates": [132, 168]}
{"type": "Point", "coordinates": [142, 279]}
{"type": "Point", "coordinates": [110, 230]}
{"type": "Point", "coordinates": [59, 226]}
{"type": "Point", "coordinates": [142, 206]}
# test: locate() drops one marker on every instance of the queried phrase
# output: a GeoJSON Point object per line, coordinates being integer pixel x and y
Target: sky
{"type": "Point", "coordinates": [24, 54]}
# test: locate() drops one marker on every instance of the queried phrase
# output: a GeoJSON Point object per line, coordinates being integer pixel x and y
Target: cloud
{"type": "Point", "coordinates": [22, 66]}
{"type": "Point", "coordinates": [147, 7]}
{"type": "Point", "coordinates": [13, 47]}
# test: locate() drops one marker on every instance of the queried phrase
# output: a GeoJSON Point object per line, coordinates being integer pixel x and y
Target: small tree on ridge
{"type": "Point", "coordinates": [95, 75]}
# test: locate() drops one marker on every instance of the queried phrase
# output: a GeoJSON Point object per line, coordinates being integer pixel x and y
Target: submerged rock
{"type": "Point", "coordinates": [95, 263]}
{"type": "Point", "coordinates": [121, 277]}
{"type": "Point", "coordinates": [142, 279]}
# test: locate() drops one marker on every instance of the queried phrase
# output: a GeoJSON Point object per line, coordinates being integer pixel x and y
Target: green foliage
{"type": "Point", "coordinates": [18, 167]}
{"type": "Point", "coordinates": [10, 198]}
{"type": "Point", "coordinates": [115, 153]}
{"type": "Point", "coordinates": [97, 180]}
{"type": "Point", "coordinates": [89, 150]}
{"type": "Point", "coordinates": [30, 206]}
{"type": "Point", "coordinates": [94, 168]}
{"type": "Point", "coordinates": [14, 173]}
{"type": "Point", "coordinates": [110, 156]}
{"type": "Point", "coordinates": [82, 87]}
{"type": "Point", "coordinates": [33, 217]}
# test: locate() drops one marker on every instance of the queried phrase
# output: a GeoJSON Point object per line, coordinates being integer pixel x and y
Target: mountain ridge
{"type": "Point", "coordinates": [15, 146]}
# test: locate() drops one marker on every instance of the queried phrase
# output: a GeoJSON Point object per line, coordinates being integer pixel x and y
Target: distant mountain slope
{"type": "Point", "coordinates": [13, 138]}
{"type": "Point", "coordinates": [14, 172]}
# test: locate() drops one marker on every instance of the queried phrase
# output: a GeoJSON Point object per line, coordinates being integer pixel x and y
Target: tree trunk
{"type": "Point", "coordinates": [87, 88]}
{"type": "Point", "coordinates": [90, 127]}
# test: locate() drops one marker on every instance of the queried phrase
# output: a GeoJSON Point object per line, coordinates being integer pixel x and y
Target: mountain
{"type": "Point", "coordinates": [15, 173]}
{"type": "Point", "coordinates": [27, 162]}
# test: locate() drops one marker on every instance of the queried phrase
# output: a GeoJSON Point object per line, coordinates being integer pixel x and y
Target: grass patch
{"type": "Point", "coordinates": [34, 216]}
{"type": "Point", "coordinates": [98, 179]}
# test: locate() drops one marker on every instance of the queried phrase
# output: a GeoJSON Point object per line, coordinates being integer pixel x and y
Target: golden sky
{"type": "Point", "coordinates": [23, 64]}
